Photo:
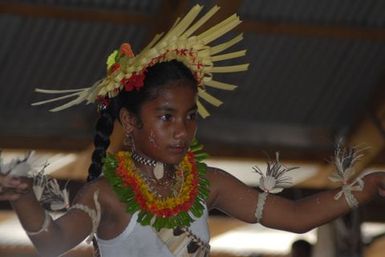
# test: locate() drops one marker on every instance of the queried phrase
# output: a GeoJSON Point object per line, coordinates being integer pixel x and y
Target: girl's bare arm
{"type": "Point", "coordinates": [62, 234]}
{"type": "Point", "coordinates": [240, 201]}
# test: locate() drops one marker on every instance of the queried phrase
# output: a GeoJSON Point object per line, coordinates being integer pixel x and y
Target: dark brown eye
{"type": "Point", "coordinates": [166, 117]}
{"type": "Point", "coordinates": [192, 115]}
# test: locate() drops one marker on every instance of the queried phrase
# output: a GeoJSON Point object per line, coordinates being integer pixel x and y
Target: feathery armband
{"type": "Point", "coordinates": [357, 185]}
{"type": "Point", "coordinates": [344, 160]}
{"type": "Point", "coordinates": [273, 181]}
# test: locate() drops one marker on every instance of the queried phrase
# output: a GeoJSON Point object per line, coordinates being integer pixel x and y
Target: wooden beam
{"type": "Point", "coordinates": [78, 169]}
{"type": "Point", "coordinates": [312, 30]}
{"type": "Point", "coordinates": [123, 17]}
{"type": "Point", "coordinates": [71, 13]}
{"type": "Point", "coordinates": [54, 143]}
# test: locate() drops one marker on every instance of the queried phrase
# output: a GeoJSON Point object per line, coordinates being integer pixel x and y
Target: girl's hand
{"type": "Point", "coordinates": [12, 188]}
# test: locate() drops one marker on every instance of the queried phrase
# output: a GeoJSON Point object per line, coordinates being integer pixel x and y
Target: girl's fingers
{"type": "Point", "coordinates": [12, 188]}
{"type": "Point", "coordinates": [21, 189]}
{"type": "Point", "coordinates": [9, 181]}
{"type": "Point", "coordinates": [9, 196]}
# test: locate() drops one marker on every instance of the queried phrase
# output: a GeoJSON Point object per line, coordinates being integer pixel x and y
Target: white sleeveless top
{"type": "Point", "coordinates": [141, 241]}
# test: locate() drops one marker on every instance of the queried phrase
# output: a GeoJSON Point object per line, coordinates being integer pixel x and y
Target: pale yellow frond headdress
{"type": "Point", "coordinates": [126, 71]}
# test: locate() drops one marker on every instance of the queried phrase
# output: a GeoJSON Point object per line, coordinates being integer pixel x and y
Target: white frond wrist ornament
{"type": "Point", "coordinates": [127, 72]}
{"type": "Point", "coordinates": [273, 181]}
{"type": "Point", "coordinates": [344, 160]}
{"type": "Point", "coordinates": [46, 189]}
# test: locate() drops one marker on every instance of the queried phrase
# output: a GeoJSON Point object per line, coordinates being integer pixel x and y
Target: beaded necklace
{"type": "Point", "coordinates": [177, 210]}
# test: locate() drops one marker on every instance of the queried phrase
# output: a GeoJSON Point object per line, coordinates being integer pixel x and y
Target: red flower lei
{"type": "Point", "coordinates": [159, 212]}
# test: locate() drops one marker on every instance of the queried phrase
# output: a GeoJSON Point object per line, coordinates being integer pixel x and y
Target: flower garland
{"type": "Point", "coordinates": [159, 212]}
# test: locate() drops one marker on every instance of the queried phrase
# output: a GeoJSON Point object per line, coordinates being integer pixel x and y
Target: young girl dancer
{"type": "Point", "coordinates": [153, 198]}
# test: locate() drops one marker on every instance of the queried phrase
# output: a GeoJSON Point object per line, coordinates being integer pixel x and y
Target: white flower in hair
{"type": "Point", "coordinates": [275, 179]}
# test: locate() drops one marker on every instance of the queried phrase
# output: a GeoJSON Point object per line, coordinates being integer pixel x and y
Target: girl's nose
{"type": "Point", "coordinates": [180, 130]}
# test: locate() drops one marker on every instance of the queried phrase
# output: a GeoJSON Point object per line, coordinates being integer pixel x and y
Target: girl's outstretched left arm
{"type": "Point", "coordinates": [240, 201]}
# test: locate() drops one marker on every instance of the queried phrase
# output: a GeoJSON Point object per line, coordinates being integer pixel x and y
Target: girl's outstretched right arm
{"type": "Point", "coordinates": [50, 237]}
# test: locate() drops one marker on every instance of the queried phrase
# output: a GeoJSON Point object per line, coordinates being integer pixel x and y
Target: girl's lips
{"type": "Point", "coordinates": [177, 149]}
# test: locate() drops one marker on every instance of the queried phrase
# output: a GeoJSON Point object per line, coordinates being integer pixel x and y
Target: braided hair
{"type": "Point", "coordinates": [156, 78]}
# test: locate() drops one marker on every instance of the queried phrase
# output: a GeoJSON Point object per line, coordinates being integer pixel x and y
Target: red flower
{"type": "Point", "coordinates": [103, 102]}
{"type": "Point", "coordinates": [169, 212]}
{"type": "Point", "coordinates": [125, 49]}
{"type": "Point", "coordinates": [186, 205]}
{"type": "Point", "coordinates": [136, 81]}
{"type": "Point", "coordinates": [114, 67]}
{"type": "Point", "coordinates": [141, 201]}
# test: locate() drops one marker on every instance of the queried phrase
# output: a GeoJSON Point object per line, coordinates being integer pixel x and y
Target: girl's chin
{"type": "Point", "coordinates": [174, 161]}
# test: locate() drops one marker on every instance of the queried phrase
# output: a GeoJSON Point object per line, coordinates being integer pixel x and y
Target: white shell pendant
{"type": "Point", "coordinates": [158, 170]}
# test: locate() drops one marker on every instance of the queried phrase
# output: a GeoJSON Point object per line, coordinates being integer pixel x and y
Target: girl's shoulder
{"type": "Point", "coordinates": [99, 186]}
{"type": "Point", "coordinates": [213, 174]}
{"type": "Point", "coordinates": [219, 178]}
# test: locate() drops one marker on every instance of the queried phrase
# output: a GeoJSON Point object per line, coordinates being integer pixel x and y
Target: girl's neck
{"type": "Point", "coordinates": [146, 166]}
{"type": "Point", "coordinates": [148, 171]}
{"type": "Point", "coordinates": [162, 187]}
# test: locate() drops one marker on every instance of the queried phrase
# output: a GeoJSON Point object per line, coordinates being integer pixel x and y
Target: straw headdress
{"type": "Point", "coordinates": [127, 72]}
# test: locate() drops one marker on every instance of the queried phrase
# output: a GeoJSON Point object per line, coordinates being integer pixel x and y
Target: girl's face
{"type": "Point", "coordinates": [168, 124]}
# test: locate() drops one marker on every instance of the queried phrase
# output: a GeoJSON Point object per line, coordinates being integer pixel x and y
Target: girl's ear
{"type": "Point", "coordinates": [127, 119]}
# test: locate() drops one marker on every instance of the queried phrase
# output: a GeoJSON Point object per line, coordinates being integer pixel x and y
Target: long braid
{"type": "Point", "coordinates": [104, 127]}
